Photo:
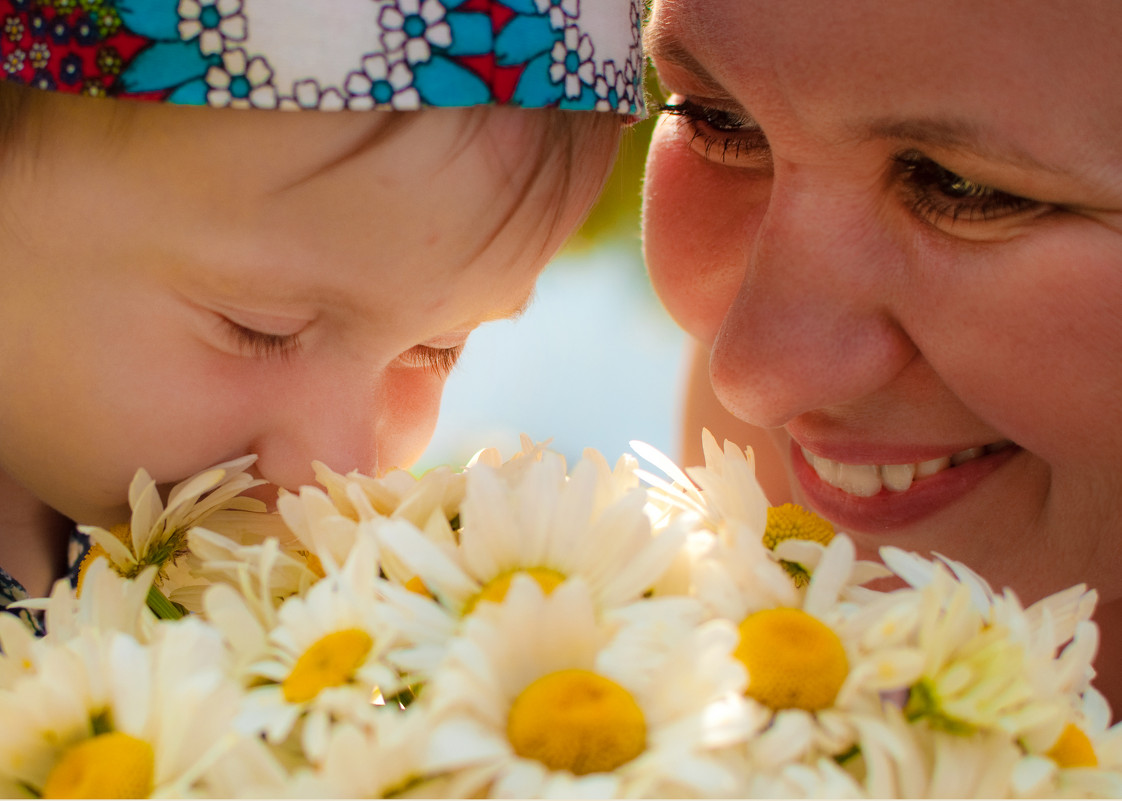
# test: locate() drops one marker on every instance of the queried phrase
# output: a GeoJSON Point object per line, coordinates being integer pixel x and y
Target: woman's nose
{"type": "Point", "coordinates": [811, 326]}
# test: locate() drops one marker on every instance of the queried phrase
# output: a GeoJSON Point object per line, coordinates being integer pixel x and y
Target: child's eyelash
{"type": "Point", "coordinates": [438, 361]}
{"type": "Point", "coordinates": [261, 344]}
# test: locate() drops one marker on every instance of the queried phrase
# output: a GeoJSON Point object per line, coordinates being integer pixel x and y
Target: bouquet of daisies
{"type": "Point", "coordinates": [519, 629]}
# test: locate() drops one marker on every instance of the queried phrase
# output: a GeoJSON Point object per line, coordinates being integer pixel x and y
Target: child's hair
{"type": "Point", "coordinates": [560, 138]}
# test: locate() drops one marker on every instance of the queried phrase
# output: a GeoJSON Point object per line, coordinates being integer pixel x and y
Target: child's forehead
{"type": "Point", "coordinates": [317, 207]}
{"type": "Point", "coordinates": [334, 54]}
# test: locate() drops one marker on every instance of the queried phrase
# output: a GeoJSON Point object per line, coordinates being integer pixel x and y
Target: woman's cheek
{"type": "Point", "coordinates": [698, 225]}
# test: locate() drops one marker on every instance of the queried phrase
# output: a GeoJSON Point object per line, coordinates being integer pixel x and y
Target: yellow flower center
{"type": "Point", "coordinates": [314, 563]}
{"type": "Point", "coordinates": [792, 522]}
{"type": "Point", "coordinates": [1073, 749]}
{"type": "Point", "coordinates": [111, 765]}
{"type": "Point", "coordinates": [329, 662]}
{"type": "Point", "coordinates": [415, 585]}
{"type": "Point", "coordinates": [794, 661]}
{"type": "Point", "coordinates": [577, 720]}
{"type": "Point", "coordinates": [123, 532]}
{"type": "Point", "coordinates": [497, 588]}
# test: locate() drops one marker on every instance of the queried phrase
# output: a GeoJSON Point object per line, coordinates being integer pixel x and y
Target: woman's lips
{"type": "Point", "coordinates": [881, 498]}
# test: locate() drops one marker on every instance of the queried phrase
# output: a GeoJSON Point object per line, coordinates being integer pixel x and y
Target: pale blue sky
{"type": "Point", "coordinates": [594, 362]}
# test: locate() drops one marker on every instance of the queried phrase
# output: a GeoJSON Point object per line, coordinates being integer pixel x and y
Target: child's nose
{"type": "Point", "coordinates": [364, 417]}
{"type": "Point", "coordinates": [335, 422]}
{"type": "Point", "coordinates": [811, 325]}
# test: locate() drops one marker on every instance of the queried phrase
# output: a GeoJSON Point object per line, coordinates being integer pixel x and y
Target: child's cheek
{"type": "Point", "coordinates": [407, 418]}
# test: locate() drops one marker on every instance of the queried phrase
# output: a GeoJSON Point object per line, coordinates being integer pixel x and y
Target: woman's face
{"type": "Point", "coordinates": [900, 228]}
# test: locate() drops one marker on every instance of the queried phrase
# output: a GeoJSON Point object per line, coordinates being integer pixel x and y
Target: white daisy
{"type": "Point", "coordinates": [816, 664]}
{"type": "Point", "coordinates": [730, 505]}
{"type": "Point", "coordinates": [396, 493]}
{"type": "Point", "coordinates": [157, 534]}
{"type": "Point", "coordinates": [241, 82]}
{"type": "Point", "coordinates": [724, 491]}
{"type": "Point", "coordinates": [979, 674]}
{"type": "Point", "coordinates": [212, 22]}
{"type": "Point", "coordinates": [104, 716]}
{"type": "Point", "coordinates": [266, 573]}
{"type": "Point", "coordinates": [822, 779]}
{"type": "Point", "coordinates": [107, 601]}
{"type": "Point", "coordinates": [539, 521]}
{"type": "Point", "coordinates": [899, 758]}
{"type": "Point", "coordinates": [572, 62]}
{"type": "Point", "coordinates": [318, 525]}
{"type": "Point", "coordinates": [388, 762]}
{"type": "Point", "coordinates": [540, 699]}
{"type": "Point", "coordinates": [324, 659]}
{"type": "Point", "coordinates": [1083, 761]}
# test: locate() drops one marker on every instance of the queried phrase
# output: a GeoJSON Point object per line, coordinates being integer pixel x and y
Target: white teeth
{"type": "Point", "coordinates": [932, 466]}
{"type": "Point", "coordinates": [866, 480]}
{"type": "Point", "coordinates": [966, 455]}
{"type": "Point", "coordinates": [859, 479]}
{"type": "Point", "coordinates": [897, 477]}
{"type": "Point", "coordinates": [827, 469]}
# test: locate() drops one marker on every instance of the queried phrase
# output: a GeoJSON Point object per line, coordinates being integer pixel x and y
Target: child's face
{"type": "Point", "coordinates": [182, 286]}
{"type": "Point", "coordinates": [899, 225]}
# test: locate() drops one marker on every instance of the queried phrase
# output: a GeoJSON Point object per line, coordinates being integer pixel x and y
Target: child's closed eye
{"type": "Point", "coordinates": [438, 361]}
{"type": "Point", "coordinates": [261, 344]}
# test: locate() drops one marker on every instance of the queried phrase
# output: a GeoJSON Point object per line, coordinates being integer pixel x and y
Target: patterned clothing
{"type": "Point", "coordinates": [12, 591]}
{"type": "Point", "coordinates": [332, 54]}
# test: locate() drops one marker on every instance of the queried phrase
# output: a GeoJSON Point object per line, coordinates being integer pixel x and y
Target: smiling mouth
{"type": "Point", "coordinates": [866, 480]}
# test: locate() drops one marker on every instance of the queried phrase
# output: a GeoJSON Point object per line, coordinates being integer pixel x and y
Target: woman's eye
{"type": "Point", "coordinates": [936, 194]}
{"type": "Point", "coordinates": [260, 343]}
{"type": "Point", "coordinates": [721, 135]}
{"type": "Point", "coordinates": [438, 361]}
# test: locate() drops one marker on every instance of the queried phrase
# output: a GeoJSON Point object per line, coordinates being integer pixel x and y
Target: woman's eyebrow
{"type": "Point", "coordinates": [663, 47]}
{"type": "Point", "coordinates": [953, 134]}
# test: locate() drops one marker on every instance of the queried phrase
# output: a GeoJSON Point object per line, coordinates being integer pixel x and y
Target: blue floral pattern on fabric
{"type": "Point", "coordinates": [342, 54]}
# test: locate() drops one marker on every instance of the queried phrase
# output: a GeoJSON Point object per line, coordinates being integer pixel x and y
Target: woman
{"type": "Point", "coordinates": [895, 230]}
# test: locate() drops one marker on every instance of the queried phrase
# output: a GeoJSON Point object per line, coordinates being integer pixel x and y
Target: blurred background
{"type": "Point", "coordinates": [594, 361]}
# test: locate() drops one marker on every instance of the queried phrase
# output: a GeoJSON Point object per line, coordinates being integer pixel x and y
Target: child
{"type": "Point", "coordinates": [185, 285]}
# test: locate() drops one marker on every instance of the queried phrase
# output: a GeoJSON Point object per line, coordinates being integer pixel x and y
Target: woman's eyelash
{"type": "Point", "coordinates": [934, 192]}
{"type": "Point", "coordinates": [716, 118]}
{"type": "Point", "coordinates": [261, 344]}
{"type": "Point", "coordinates": [438, 361]}
{"type": "Point", "coordinates": [723, 135]}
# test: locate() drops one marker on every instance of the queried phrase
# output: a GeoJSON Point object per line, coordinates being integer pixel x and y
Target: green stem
{"type": "Point", "coordinates": [161, 606]}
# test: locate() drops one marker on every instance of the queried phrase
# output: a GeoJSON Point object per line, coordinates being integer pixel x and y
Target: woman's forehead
{"type": "Point", "coordinates": [804, 35]}
{"type": "Point", "coordinates": [1004, 66]}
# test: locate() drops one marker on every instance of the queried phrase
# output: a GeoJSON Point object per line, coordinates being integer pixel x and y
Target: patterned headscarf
{"type": "Point", "coordinates": [332, 54]}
